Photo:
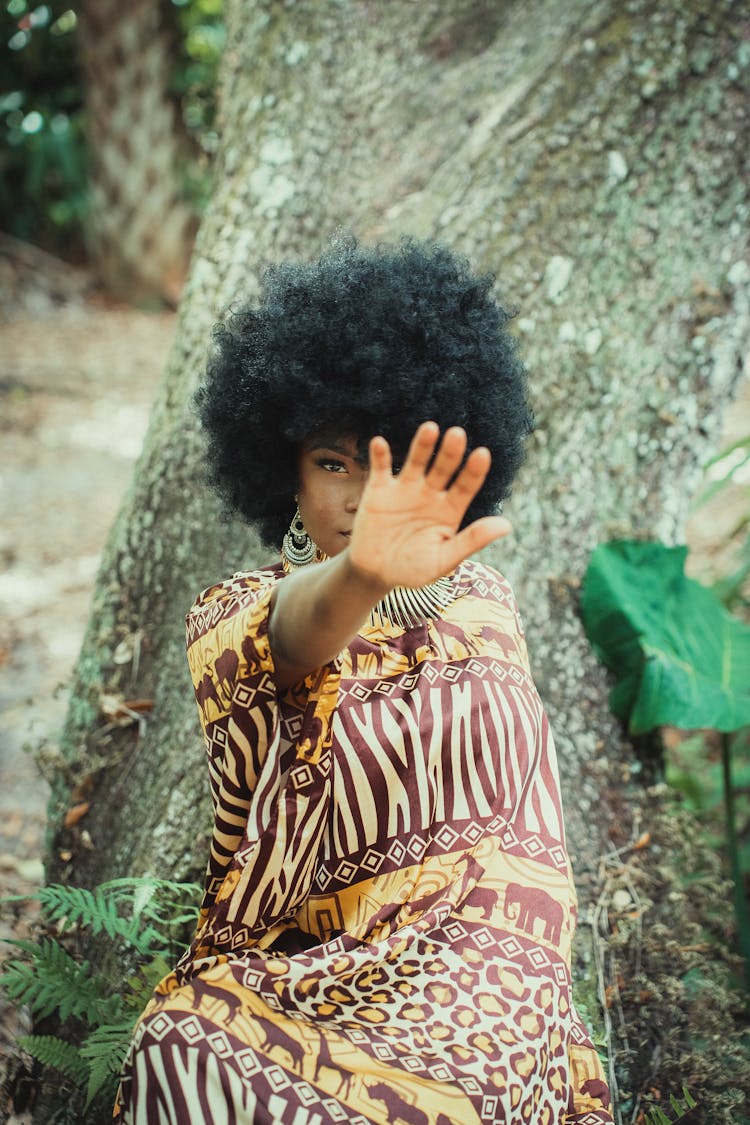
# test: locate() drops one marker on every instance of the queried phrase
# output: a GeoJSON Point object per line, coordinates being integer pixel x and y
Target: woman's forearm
{"type": "Point", "coordinates": [315, 613]}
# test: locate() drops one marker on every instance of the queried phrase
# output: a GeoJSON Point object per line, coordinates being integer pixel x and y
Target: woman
{"type": "Point", "coordinates": [386, 929]}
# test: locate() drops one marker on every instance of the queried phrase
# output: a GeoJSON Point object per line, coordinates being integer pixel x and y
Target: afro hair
{"type": "Point", "coordinates": [364, 341]}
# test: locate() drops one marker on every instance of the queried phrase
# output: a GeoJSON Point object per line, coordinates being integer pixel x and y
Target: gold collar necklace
{"type": "Point", "coordinates": [403, 607]}
{"type": "Point", "coordinates": [406, 607]}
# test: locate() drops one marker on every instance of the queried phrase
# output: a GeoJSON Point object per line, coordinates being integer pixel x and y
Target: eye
{"type": "Point", "coordinates": [331, 465]}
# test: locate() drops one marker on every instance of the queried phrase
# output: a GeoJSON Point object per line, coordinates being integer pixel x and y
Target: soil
{"type": "Point", "coordinates": [77, 379]}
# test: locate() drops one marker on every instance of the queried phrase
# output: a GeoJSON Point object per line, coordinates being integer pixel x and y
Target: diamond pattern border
{"type": "Point", "coordinates": [220, 1044]}
{"type": "Point", "coordinates": [373, 860]}
{"type": "Point", "coordinates": [440, 1072]}
{"type": "Point", "coordinates": [335, 1109]}
{"type": "Point", "coordinates": [446, 836]}
{"type": "Point", "coordinates": [277, 1078]}
{"type": "Point", "coordinates": [538, 957]}
{"type": "Point", "coordinates": [302, 776]}
{"type": "Point", "coordinates": [456, 931]}
{"type": "Point", "coordinates": [306, 1094]}
{"type": "Point", "coordinates": [248, 1062]}
{"type": "Point", "coordinates": [160, 1026]}
{"type": "Point", "coordinates": [190, 1029]}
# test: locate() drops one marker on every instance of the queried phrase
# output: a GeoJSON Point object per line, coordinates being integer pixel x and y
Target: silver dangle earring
{"type": "Point", "coordinates": [297, 547]}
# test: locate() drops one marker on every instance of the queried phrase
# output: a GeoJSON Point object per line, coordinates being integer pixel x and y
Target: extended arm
{"type": "Point", "coordinates": [404, 534]}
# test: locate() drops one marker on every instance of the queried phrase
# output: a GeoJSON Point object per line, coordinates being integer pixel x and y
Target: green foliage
{"type": "Point", "coordinates": [42, 148]}
{"type": "Point", "coordinates": [43, 158]}
{"type": "Point", "coordinates": [199, 43]}
{"type": "Point", "coordinates": [657, 1116]}
{"type": "Point", "coordinates": [122, 908]}
{"type": "Point", "coordinates": [103, 1054]}
{"type": "Point", "coordinates": [50, 980]}
{"type": "Point", "coordinates": [679, 657]}
{"type": "Point", "coordinates": [51, 1051]}
{"type": "Point", "coordinates": [694, 768]}
{"type": "Point", "coordinates": [142, 922]}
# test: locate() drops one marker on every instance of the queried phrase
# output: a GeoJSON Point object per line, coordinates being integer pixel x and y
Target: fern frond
{"type": "Point", "coordinates": [51, 1051]}
{"type": "Point", "coordinates": [690, 1101]}
{"type": "Point", "coordinates": [657, 1116]}
{"type": "Point", "coordinates": [143, 983]}
{"type": "Point", "coordinates": [143, 896]}
{"type": "Point", "coordinates": [104, 1050]}
{"type": "Point", "coordinates": [144, 913]}
{"type": "Point", "coordinates": [77, 906]}
{"type": "Point", "coordinates": [157, 899]}
{"type": "Point", "coordinates": [54, 981]}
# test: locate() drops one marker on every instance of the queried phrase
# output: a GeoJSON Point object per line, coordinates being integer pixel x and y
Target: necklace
{"type": "Point", "coordinates": [405, 607]}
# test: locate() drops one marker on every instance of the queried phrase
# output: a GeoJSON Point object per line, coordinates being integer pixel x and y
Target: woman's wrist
{"type": "Point", "coordinates": [316, 612]}
{"type": "Point", "coordinates": [369, 585]}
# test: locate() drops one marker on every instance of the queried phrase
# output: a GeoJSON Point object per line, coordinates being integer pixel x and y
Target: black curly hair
{"type": "Point", "coordinates": [364, 341]}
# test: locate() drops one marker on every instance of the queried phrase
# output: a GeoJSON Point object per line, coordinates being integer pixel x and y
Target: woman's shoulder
{"type": "Point", "coordinates": [483, 581]}
{"type": "Point", "coordinates": [489, 608]}
{"type": "Point", "coordinates": [240, 589]}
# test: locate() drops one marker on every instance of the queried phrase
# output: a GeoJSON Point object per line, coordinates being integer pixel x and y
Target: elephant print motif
{"type": "Point", "coordinates": [206, 690]}
{"type": "Point", "coordinates": [226, 666]}
{"type": "Point", "coordinates": [527, 905]}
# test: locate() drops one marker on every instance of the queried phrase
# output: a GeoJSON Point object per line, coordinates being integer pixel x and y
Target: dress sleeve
{"type": "Point", "coordinates": [268, 758]}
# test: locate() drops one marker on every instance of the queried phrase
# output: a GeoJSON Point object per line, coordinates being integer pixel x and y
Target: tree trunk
{"type": "Point", "coordinates": [139, 228]}
{"type": "Point", "coordinates": [593, 155]}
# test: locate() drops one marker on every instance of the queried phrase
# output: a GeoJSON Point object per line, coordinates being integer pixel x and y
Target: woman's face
{"type": "Point", "coordinates": [332, 475]}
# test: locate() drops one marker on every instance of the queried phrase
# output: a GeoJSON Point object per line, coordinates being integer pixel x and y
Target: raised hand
{"type": "Point", "coordinates": [406, 529]}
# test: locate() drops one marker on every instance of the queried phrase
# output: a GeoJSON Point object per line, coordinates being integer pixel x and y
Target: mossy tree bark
{"type": "Point", "coordinates": [593, 155]}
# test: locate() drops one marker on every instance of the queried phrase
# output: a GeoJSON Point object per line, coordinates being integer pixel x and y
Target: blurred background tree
{"type": "Point", "coordinates": [107, 116]}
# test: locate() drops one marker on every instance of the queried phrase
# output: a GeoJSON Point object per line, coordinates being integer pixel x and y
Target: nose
{"type": "Point", "coordinates": [354, 495]}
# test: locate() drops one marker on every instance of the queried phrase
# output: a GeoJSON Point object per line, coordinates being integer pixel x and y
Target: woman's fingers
{"type": "Point", "coordinates": [380, 457]}
{"type": "Point", "coordinates": [448, 457]}
{"type": "Point", "coordinates": [420, 451]}
{"type": "Point", "coordinates": [442, 465]}
{"type": "Point", "coordinates": [471, 477]}
{"type": "Point", "coordinates": [473, 538]}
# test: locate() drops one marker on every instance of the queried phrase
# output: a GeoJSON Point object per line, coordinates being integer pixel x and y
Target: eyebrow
{"type": "Point", "coordinates": [361, 459]}
{"type": "Point", "coordinates": [330, 447]}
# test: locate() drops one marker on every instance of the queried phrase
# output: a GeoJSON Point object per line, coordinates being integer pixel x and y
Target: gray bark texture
{"type": "Point", "coordinates": [593, 154]}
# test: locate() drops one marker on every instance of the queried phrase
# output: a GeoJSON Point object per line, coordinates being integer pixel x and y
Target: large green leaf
{"type": "Point", "coordinates": [679, 657]}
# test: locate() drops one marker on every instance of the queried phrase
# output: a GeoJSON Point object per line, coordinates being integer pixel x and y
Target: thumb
{"type": "Point", "coordinates": [474, 537]}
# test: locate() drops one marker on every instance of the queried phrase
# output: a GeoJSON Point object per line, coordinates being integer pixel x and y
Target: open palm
{"type": "Point", "coordinates": [406, 529]}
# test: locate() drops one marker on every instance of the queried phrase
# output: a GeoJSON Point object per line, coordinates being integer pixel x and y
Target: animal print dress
{"type": "Point", "coordinates": [386, 929]}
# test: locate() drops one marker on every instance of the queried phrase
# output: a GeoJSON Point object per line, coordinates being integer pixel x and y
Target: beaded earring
{"type": "Point", "coordinates": [297, 548]}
